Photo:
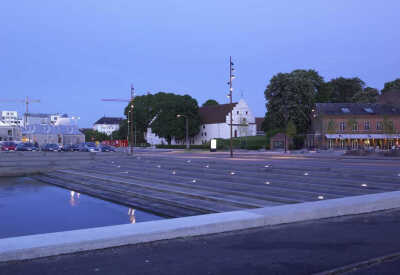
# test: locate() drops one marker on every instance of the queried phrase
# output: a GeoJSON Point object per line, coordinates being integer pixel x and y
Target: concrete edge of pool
{"type": "Point", "coordinates": [51, 244]}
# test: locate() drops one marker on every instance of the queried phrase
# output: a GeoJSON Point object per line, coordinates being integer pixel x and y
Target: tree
{"type": "Point", "coordinates": [368, 95]}
{"type": "Point", "coordinates": [392, 85]}
{"type": "Point", "coordinates": [290, 96]}
{"type": "Point", "coordinates": [93, 135]}
{"type": "Point", "coordinates": [166, 108]}
{"type": "Point", "coordinates": [290, 132]}
{"type": "Point", "coordinates": [210, 102]}
{"type": "Point", "coordinates": [343, 89]}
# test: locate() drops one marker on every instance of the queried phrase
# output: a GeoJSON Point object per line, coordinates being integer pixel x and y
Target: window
{"type": "Point", "coordinates": [342, 126]}
{"type": "Point", "coordinates": [205, 134]}
{"type": "Point", "coordinates": [237, 112]}
{"type": "Point", "coordinates": [379, 125]}
{"type": "Point", "coordinates": [345, 110]}
{"type": "Point", "coordinates": [355, 126]}
{"type": "Point", "coordinates": [10, 132]}
{"type": "Point", "coordinates": [204, 126]}
{"type": "Point", "coordinates": [366, 125]}
{"type": "Point", "coordinates": [247, 112]}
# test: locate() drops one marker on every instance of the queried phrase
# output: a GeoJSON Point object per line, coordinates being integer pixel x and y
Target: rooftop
{"type": "Point", "coordinates": [215, 113]}
{"type": "Point", "coordinates": [109, 120]}
{"type": "Point", "coordinates": [356, 109]}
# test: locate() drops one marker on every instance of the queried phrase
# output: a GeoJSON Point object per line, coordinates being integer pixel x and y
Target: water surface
{"type": "Point", "coordinates": [30, 207]}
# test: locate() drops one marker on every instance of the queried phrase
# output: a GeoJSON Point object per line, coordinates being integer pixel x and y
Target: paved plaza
{"type": "Point", "coordinates": [179, 184]}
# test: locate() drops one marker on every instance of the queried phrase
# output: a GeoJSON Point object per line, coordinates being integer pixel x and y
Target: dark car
{"type": "Point", "coordinates": [52, 147]}
{"type": "Point", "coordinates": [106, 148]}
{"type": "Point", "coordinates": [75, 147]}
{"type": "Point", "coordinates": [26, 147]}
{"type": "Point", "coordinates": [8, 146]}
{"type": "Point", "coordinates": [88, 147]}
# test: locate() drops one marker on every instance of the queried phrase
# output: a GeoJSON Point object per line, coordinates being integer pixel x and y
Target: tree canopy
{"type": "Point", "coordinates": [160, 112]}
{"type": "Point", "coordinates": [210, 102]}
{"type": "Point", "coordinates": [368, 95]}
{"type": "Point", "coordinates": [290, 96]}
{"type": "Point", "coordinates": [392, 85]}
{"type": "Point", "coordinates": [344, 89]}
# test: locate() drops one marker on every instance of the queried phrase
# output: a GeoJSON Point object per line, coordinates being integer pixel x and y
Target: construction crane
{"type": "Point", "coordinates": [130, 116]}
{"type": "Point", "coordinates": [27, 101]}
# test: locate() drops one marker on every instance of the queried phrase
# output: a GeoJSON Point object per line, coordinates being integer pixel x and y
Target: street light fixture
{"type": "Point", "coordinates": [187, 129]}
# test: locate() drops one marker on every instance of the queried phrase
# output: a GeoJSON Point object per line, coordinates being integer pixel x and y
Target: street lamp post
{"type": "Point", "coordinates": [187, 129]}
{"type": "Point", "coordinates": [231, 77]}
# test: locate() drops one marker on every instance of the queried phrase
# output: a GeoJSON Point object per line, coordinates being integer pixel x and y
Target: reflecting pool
{"type": "Point", "coordinates": [30, 207]}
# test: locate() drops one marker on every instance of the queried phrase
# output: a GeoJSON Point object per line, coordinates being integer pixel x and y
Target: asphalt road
{"type": "Point", "coordinates": [301, 248]}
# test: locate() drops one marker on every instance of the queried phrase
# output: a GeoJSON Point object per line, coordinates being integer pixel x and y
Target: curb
{"type": "Point", "coordinates": [52, 244]}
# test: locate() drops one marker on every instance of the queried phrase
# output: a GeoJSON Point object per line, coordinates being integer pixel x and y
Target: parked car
{"type": "Point", "coordinates": [26, 147]}
{"type": "Point", "coordinates": [52, 147]}
{"type": "Point", "coordinates": [8, 146]}
{"type": "Point", "coordinates": [66, 148]}
{"type": "Point", "coordinates": [88, 147]}
{"type": "Point", "coordinates": [106, 148]}
{"type": "Point", "coordinates": [75, 147]}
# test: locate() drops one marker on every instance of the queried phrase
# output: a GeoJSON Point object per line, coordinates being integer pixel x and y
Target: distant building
{"type": "Point", "coordinates": [215, 123]}
{"type": "Point", "coordinates": [50, 119]}
{"type": "Point", "coordinates": [9, 133]}
{"type": "Point", "coordinates": [46, 133]}
{"type": "Point", "coordinates": [107, 125]}
{"type": "Point", "coordinates": [354, 125]}
{"type": "Point", "coordinates": [10, 118]}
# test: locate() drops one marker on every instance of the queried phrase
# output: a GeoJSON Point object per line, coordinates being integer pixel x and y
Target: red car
{"type": "Point", "coordinates": [8, 146]}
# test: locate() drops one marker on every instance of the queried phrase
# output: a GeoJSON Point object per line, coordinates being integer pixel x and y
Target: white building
{"type": "Point", "coordinates": [10, 118]}
{"type": "Point", "coordinates": [215, 123]}
{"type": "Point", "coordinates": [107, 125]}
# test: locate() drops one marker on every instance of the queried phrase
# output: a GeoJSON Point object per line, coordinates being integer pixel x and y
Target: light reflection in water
{"type": "Point", "coordinates": [131, 214]}
{"type": "Point", "coordinates": [74, 198]}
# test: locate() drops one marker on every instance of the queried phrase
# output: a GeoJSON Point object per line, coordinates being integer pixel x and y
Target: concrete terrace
{"type": "Point", "coordinates": [179, 184]}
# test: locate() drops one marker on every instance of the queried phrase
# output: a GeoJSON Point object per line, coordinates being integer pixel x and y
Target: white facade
{"type": "Point", "coordinates": [243, 125]}
{"type": "Point", "coordinates": [106, 128]}
{"type": "Point", "coordinates": [10, 118]}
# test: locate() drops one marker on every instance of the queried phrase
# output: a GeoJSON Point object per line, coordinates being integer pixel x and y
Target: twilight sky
{"type": "Point", "coordinates": [70, 54]}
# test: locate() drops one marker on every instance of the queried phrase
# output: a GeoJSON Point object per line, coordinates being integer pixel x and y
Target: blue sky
{"type": "Point", "coordinates": [70, 54]}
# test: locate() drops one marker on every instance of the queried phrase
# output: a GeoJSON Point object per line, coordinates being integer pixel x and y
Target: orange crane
{"type": "Point", "coordinates": [27, 101]}
{"type": "Point", "coordinates": [130, 116]}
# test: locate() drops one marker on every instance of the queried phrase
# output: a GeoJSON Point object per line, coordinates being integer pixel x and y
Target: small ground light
{"type": "Point", "coordinates": [158, 166]}
{"type": "Point", "coordinates": [306, 174]}
{"type": "Point", "coordinates": [398, 174]}
{"type": "Point", "coordinates": [194, 181]}
{"type": "Point", "coordinates": [207, 166]}
{"type": "Point", "coordinates": [267, 182]}
{"type": "Point", "coordinates": [119, 166]}
{"type": "Point", "coordinates": [173, 172]}
{"type": "Point", "coordinates": [364, 185]}
{"type": "Point", "coordinates": [232, 173]}
{"type": "Point", "coordinates": [320, 197]}
{"type": "Point", "coordinates": [267, 166]}
{"type": "Point", "coordinates": [189, 161]}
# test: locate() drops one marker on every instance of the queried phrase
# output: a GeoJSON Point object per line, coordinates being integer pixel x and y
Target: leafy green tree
{"type": "Point", "coordinates": [93, 135]}
{"type": "Point", "coordinates": [392, 85]}
{"type": "Point", "coordinates": [368, 95]}
{"type": "Point", "coordinates": [291, 131]}
{"type": "Point", "coordinates": [166, 124]}
{"type": "Point", "coordinates": [210, 102]}
{"type": "Point", "coordinates": [343, 89]}
{"type": "Point", "coordinates": [290, 96]}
